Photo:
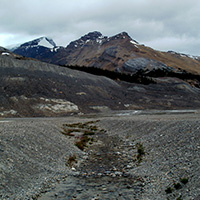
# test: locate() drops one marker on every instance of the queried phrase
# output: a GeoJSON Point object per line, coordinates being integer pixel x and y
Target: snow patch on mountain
{"type": "Point", "coordinates": [55, 49]}
{"type": "Point", "coordinates": [42, 41]}
{"type": "Point", "coordinates": [184, 55]}
{"type": "Point", "coordinates": [5, 54]}
{"type": "Point", "coordinates": [133, 42]}
{"type": "Point", "coordinates": [46, 42]}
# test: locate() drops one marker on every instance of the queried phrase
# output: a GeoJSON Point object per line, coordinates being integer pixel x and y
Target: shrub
{"type": "Point", "coordinates": [184, 180]}
{"type": "Point", "coordinates": [140, 151]}
{"type": "Point", "coordinates": [71, 160]}
{"type": "Point", "coordinates": [177, 186]}
{"type": "Point", "coordinates": [169, 190]}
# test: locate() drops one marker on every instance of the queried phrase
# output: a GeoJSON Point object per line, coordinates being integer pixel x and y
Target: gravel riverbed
{"type": "Point", "coordinates": [151, 156]}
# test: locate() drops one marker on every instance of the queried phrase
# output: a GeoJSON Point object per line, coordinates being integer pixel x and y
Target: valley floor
{"type": "Point", "coordinates": [127, 155]}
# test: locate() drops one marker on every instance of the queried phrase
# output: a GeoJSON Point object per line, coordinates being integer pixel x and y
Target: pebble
{"type": "Point", "coordinates": [118, 173]}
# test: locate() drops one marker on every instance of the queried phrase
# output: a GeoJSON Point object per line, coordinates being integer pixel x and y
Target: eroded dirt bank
{"type": "Point", "coordinates": [127, 156]}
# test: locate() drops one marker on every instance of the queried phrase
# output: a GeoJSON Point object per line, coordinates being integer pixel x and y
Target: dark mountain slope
{"type": "Point", "coordinates": [42, 48]}
{"type": "Point", "coordinates": [35, 88]}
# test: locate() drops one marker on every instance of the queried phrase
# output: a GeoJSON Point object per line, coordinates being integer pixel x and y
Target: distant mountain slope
{"type": "Point", "coordinates": [42, 48]}
{"type": "Point", "coordinates": [122, 53]}
{"type": "Point", "coordinates": [32, 88]}
{"type": "Point", "coordinates": [117, 53]}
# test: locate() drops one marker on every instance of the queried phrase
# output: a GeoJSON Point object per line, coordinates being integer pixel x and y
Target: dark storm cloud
{"type": "Point", "coordinates": [164, 25]}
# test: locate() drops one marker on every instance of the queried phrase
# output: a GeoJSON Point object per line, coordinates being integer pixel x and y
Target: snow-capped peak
{"type": "Point", "coordinates": [46, 42]}
{"type": "Point", "coordinates": [42, 41]}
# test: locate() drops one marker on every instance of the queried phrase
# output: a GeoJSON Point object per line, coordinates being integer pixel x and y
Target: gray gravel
{"type": "Point", "coordinates": [34, 154]}
{"type": "Point", "coordinates": [172, 145]}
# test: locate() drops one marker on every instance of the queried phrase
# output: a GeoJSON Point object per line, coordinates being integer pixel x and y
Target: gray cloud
{"type": "Point", "coordinates": [164, 25]}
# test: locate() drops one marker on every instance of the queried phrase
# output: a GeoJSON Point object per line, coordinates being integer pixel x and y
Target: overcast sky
{"type": "Point", "coordinates": [161, 24]}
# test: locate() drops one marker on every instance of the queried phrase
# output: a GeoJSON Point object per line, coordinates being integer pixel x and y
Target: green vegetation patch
{"type": "Point", "coordinates": [72, 160]}
{"type": "Point", "coordinates": [177, 186]}
{"type": "Point", "coordinates": [169, 190]}
{"type": "Point", "coordinates": [140, 151]}
{"type": "Point", "coordinates": [86, 129]}
{"type": "Point", "coordinates": [184, 180]}
{"type": "Point", "coordinates": [82, 143]}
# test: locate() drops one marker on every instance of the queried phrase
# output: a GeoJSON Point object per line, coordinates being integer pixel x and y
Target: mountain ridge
{"type": "Point", "coordinates": [111, 53]}
{"type": "Point", "coordinates": [121, 54]}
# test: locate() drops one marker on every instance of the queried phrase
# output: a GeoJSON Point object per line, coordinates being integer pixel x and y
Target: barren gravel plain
{"type": "Point", "coordinates": [149, 155]}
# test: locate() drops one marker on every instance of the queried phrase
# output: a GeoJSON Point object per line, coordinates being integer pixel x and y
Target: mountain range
{"type": "Point", "coordinates": [121, 74]}
{"type": "Point", "coordinates": [118, 53]}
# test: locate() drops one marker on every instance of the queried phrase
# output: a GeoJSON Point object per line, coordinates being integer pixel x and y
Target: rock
{"type": "Point", "coordinates": [118, 173]}
{"type": "Point", "coordinates": [109, 52]}
{"type": "Point", "coordinates": [145, 66]}
{"type": "Point", "coordinates": [129, 166]}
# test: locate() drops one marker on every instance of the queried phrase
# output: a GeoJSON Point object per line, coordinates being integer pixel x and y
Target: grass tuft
{"type": "Point", "coordinates": [140, 151]}
{"type": "Point", "coordinates": [87, 132]}
{"type": "Point", "coordinates": [71, 160]}
{"type": "Point", "coordinates": [86, 129]}
{"type": "Point", "coordinates": [82, 143]}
